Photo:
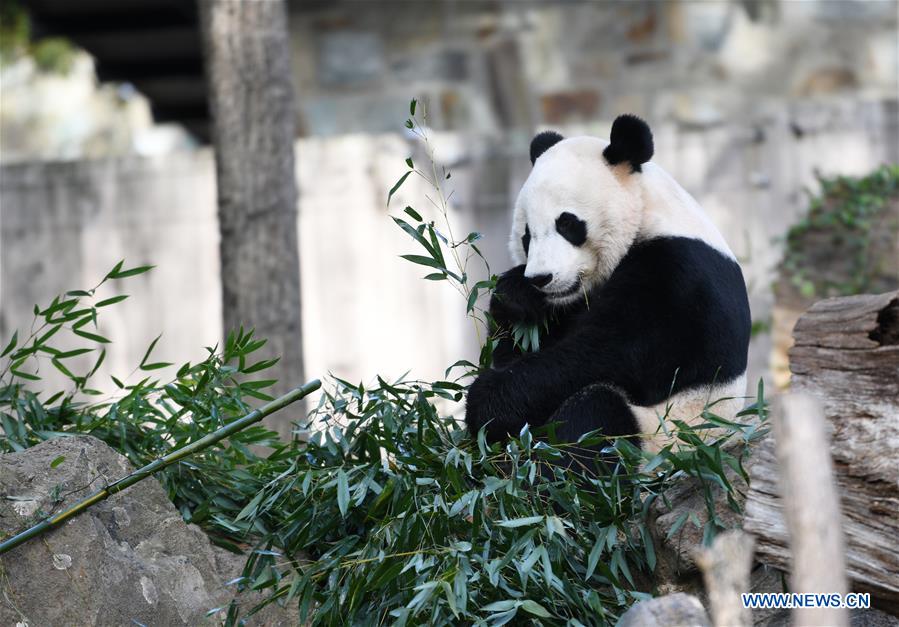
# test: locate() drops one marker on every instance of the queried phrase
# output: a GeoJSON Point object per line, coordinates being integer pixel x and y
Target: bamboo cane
{"type": "Point", "coordinates": [142, 473]}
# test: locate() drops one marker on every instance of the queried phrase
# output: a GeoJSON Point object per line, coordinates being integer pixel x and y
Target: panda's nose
{"type": "Point", "coordinates": [540, 280]}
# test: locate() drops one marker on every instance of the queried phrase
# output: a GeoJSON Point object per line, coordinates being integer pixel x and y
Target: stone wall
{"type": "Point", "coordinates": [501, 68]}
{"type": "Point", "coordinates": [508, 67]}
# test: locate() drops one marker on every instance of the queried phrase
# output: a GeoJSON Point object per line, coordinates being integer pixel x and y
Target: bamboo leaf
{"type": "Point", "coordinates": [91, 336]}
{"type": "Point", "coordinates": [521, 522]}
{"type": "Point", "coordinates": [425, 261]}
{"type": "Point", "coordinates": [111, 301]}
{"type": "Point", "coordinates": [149, 350]}
{"type": "Point", "coordinates": [397, 186]}
{"type": "Point", "coordinates": [59, 366]}
{"type": "Point", "coordinates": [12, 344]}
{"type": "Point", "coordinates": [595, 553]}
{"type": "Point", "coordinates": [261, 365]}
{"type": "Point", "coordinates": [472, 299]}
{"type": "Point", "coordinates": [343, 492]}
{"type": "Point", "coordinates": [414, 234]}
{"type": "Point", "coordinates": [499, 606]}
{"type": "Point", "coordinates": [115, 269]}
{"type": "Point", "coordinates": [74, 353]}
{"type": "Point", "coordinates": [97, 363]}
{"type": "Point", "coordinates": [46, 336]}
{"type": "Point", "coordinates": [118, 273]}
{"type": "Point", "coordinates": [532, 607]}
{"type": "Point", "coordinates": [25, 375]}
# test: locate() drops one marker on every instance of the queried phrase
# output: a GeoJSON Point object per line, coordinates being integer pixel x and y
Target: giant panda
{"type": "Point", "coordinates": [643, 306]}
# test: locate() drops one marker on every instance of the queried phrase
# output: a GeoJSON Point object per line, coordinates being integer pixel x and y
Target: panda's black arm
{"type": "Point", "coordinates": [530, 389]}
{"type": "Point", "coordinates": [514, 301]}
{"type": "Point", "coordinates": [607, 344]}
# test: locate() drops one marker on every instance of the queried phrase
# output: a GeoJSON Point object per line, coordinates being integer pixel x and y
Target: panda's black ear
{"type": "Point", "coordinates": [630, 141]}
{"type": "Point", "coordinates": [543, 142]}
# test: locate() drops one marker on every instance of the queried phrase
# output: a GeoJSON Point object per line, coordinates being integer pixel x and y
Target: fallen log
{"type": "Point", "coordinates": [846, 354]}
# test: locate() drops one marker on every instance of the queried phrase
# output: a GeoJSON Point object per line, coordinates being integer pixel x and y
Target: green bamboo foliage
{"type": "Point", "coordinates": [390, 514]}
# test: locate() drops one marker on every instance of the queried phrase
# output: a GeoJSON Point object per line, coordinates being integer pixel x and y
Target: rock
{"type": "Point", "coordinates": [673, 609]}
{"type": "Point", "coordinates": [128, 560]}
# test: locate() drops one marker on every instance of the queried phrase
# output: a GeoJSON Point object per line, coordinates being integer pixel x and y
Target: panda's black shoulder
{"type": "Point", "coordinates": [680, 306]}
{"type": "Point", "coordinates": [678, 277]}
{"type": "Point", "coordinates": [678, 258]}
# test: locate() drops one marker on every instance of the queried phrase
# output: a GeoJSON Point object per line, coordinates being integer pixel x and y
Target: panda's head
{"type": "Point", "coordinates": [580, 208]}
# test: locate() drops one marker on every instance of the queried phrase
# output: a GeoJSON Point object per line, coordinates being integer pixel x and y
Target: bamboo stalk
{"type": "Point", "coordinates": [142, 473]}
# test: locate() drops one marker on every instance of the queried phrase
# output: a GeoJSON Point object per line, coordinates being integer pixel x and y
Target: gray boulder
{"type": "Point", "coordinates": [673, 610]}
{"type": "Point", "coordinates": [128, 560]}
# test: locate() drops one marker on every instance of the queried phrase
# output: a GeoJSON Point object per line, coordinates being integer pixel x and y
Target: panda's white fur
{"type": "Point", "coordinates": [620, 208]}
{"type": "Point", "coordinates": [724, 399]}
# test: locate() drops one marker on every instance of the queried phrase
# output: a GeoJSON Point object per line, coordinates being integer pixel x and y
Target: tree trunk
{"type": "Point", "coordinates": [254, 127]}
{"type": "Point", "coordinates": [847, 355]}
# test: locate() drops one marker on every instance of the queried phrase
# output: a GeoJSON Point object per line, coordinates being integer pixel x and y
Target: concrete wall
{"type": "Point", "coordinates": [63, 226]}
{"type": "Point", "coordinates": [365, 311]}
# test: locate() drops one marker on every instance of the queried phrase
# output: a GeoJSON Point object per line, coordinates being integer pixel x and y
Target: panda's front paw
{"type": "Point", "coordinates": [515, 299]}
{"type": "Point", "coordinates": [486, 406]}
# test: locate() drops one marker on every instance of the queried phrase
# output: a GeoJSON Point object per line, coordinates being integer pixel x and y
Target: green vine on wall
{"type": "Point", "coordinates": [847, 242]}
{"type": "Point", "coordinates": [50, 54]}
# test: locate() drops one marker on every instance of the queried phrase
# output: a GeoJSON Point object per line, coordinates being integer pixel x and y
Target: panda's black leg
{"type": "Point", "coordinates": [595, 407]}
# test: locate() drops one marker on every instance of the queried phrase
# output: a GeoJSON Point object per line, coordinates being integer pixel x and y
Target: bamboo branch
{"type": "Point", "coordinates": [155, 466]}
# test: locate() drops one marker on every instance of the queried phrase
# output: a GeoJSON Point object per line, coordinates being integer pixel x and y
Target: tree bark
{"type": "Point", "coordinates": [254, 127]}
{"type": "Point", "coordinates": [846, 355]}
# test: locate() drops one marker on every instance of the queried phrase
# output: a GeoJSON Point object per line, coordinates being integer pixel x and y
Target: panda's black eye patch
{"type": "Point", "coordinates": [526, 239]}
{"type": "Point", "coordinates": [572, 228]}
